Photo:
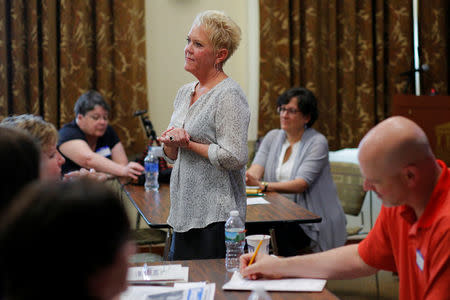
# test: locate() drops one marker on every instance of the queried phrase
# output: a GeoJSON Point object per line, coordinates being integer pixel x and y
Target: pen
{"type": "Point", "coordinates": [256, 252]}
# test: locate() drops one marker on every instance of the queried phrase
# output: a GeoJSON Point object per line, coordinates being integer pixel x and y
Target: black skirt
{"type": "Point", "coordinates": [199, 243]}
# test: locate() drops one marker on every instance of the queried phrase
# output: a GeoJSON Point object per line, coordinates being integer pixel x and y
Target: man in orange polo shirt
{"type": "Point", "coordinates": [412, 233]}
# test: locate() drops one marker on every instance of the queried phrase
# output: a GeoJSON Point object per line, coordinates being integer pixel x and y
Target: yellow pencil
{"type": "Point", "coordinates": [256, 252]}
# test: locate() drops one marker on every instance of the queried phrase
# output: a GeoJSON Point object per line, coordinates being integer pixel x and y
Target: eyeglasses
{"type": "Point", "coordinates": [98, 117]}
{"type": "Point", "coordinates": [290, 111]}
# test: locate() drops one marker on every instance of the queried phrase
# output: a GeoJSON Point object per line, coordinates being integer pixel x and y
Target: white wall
{"type": "Point", "coordinates": [167, 25]}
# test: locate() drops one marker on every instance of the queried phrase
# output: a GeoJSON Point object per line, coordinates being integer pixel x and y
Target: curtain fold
{"type": "Point", "coordinates": [434, 33]}
{"type": "Point", "coordinates": [53, 51]}
{"type": "Point", "coordinates": [350, 54]}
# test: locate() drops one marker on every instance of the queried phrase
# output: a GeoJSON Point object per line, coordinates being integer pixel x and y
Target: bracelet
{"type": "Point", "coordinates": [265, 184]}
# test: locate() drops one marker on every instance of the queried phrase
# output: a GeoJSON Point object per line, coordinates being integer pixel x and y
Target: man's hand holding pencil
{"type": "Point", "coordinates": [255, 266]}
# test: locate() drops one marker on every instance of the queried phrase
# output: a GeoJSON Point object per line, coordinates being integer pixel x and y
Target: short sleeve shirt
{"type": "Point", "coordinates": [71, 131]}
{"type": "Point", "coordinates": [418, 249]}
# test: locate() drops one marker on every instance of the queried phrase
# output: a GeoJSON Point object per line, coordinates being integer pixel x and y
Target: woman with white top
{"type": "Point", "coordinates": [294, 161]}
{"type": "Point", "coordinates": [207, 142]}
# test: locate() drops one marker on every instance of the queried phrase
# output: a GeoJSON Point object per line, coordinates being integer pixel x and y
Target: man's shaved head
{"type": "Point", "coordinates": [393, 144]}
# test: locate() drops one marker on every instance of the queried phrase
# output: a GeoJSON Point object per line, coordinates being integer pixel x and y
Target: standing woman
{"type": "Point", "coordinates": [294, 161]}
{"type": "Point", "coordinates": [207, 142]}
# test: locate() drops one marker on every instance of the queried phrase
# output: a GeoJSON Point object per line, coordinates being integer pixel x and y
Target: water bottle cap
{"type": "Point", "coordinates": [234, 213]}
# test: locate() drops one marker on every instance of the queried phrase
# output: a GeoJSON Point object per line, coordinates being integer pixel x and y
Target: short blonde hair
{"type": "Point", "coordinates": [43, 132]}
{"type": "Point", "coordinates": [222, 30]}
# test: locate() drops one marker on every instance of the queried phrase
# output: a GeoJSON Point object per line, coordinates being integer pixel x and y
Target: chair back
{"type": "Point", "coordinates": [349, 183]}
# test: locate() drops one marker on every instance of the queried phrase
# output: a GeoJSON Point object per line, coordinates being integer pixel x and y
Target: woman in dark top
{"type": "Point", "coordinates": [89, 142]}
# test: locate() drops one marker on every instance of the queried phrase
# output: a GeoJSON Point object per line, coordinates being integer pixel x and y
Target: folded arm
{"type": "Point", "coordinates": [255, 173]}
{"type": "Point", "coordinates": [80, 152]}
{"type": "Point", "coordinates": [178, 137]}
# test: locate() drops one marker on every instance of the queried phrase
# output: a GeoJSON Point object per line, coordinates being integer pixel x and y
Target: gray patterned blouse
{"type": "Point", "coordinates": [204, 191]}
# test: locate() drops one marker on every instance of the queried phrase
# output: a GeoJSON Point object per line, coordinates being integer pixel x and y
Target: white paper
{"type": "Point", "coordinates": [256, 200]}
{"type": "Point", "coordinates": [158, 273]}
{"type": "Point", "coordinates": [186, 285]}
{"type": "Point", "coordinates": [188, 291]}
{"type": "Point", "coordinates": [237, 282]}
{"type": "Point", "coordinates": [210, 288]}
{"type": "Point", "coordinates": [134, 292]}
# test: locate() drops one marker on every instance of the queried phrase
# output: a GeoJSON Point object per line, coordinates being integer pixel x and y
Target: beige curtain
{"type": "Point", "coordinates": [350, 54]}
{"type": "Point", "coordinates": [52, 51]}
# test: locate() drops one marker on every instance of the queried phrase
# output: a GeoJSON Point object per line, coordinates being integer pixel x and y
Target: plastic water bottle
{"type": "Point", "coordinates": [151, 165]}
{"type": "Point", "coordinates": [234, 241]}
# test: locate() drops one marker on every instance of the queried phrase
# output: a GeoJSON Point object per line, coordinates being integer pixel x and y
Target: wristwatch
{"type": "Point", "coordinates": [265, 185]}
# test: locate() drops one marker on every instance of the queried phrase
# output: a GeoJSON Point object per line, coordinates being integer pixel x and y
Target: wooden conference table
{"type": "Point", "coordinates": [154, 208]}
{"type": "Point", "coordinates": [213, 270]}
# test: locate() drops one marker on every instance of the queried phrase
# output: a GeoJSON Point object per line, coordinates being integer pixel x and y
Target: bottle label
{"type": "Point", "coordinates": [151, 167]}
{"type": "Point", "coordinates": [235, 236]}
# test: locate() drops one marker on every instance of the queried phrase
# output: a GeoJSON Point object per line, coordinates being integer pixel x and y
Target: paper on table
{"type": "Point", "coordinates": [148, 274]}
{"type": "Point", "coordinates": [134, 292]}
{"type": "Point", "coordinates": [256, 200]}
{"type": "Point", "coordinates": [188, 291]}
{"type": "Point", "coordinates": [209, 288]}
{"type": "Point", "coordinates": [237, 282]}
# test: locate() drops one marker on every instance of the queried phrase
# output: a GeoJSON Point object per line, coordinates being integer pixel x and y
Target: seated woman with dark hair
{"type": "Point", "coordinates": [53, 243]}
{"type": "Point", "coordinates": [294, 161]}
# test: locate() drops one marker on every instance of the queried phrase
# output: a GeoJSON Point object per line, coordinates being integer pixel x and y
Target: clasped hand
{"type": "Point", "coordinates": [175, 137]}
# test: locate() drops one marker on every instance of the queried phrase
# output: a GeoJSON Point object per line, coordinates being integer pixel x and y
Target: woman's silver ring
{"type": "Point", "coordinates": [171, 138]}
